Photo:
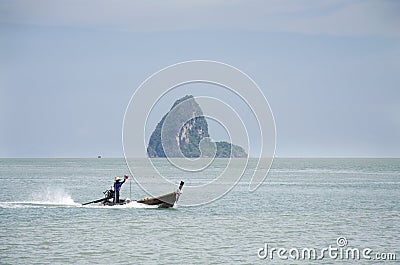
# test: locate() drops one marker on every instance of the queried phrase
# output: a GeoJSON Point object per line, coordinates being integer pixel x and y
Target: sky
{"type": "Point", "coordinates": [329, 69]}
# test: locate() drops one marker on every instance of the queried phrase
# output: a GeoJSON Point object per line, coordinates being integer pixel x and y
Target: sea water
{"type": "Point", "coordinates": [303, 203]}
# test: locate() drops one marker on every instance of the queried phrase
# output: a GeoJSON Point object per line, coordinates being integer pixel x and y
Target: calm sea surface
{"type": "Point", "coordinates": [304, 203]}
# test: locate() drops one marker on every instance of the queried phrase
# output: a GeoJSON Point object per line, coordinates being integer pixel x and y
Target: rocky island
{"type": "Point", "coordinates": [186, 133]}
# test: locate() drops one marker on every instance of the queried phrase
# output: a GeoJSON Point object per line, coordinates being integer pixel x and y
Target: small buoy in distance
{"type": "Point", "coordinates": [98, 156]}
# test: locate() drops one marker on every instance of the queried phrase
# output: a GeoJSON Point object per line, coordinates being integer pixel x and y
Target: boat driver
{"type": "Point", "coordinates": [117, 186]}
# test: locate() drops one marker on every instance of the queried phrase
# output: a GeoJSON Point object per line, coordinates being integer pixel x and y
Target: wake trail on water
{"type": "Point", "coordinates": [58, 197]}
{"type": "Point", "coordinates": [132, 204]}
{"type": "Point", "coordinates": [48, 197]}
{"type": "Point", "coordinates": [46, 204]}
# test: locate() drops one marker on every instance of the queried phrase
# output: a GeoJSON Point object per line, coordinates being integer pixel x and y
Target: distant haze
{"type": "Point", "coordinates": [329, 69]}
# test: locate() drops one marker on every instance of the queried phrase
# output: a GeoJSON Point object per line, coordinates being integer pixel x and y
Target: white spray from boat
{"type": "Point", "coordinates": [50, 196]}
{"type": "Point", "coordinates": [53, 196]}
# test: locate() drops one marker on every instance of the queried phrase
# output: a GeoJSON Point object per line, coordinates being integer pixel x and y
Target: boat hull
{"type": "Point", "coordinates": [164, 201]}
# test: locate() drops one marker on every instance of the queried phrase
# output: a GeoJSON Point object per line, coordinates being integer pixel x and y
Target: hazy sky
{"type": "Point", "coordinates": [329, 69]}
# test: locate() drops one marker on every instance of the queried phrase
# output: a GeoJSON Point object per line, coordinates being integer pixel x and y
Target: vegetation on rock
{"type": "Point", "coordinates": [183, 130]}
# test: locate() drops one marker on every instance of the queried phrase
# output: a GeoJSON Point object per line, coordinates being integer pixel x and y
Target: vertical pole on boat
{"type": "Point", "coordinates": [130, 189]}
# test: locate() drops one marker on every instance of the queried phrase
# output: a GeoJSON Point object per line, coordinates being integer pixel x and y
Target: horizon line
{"type": "Point", "coordinates": [276, 157]}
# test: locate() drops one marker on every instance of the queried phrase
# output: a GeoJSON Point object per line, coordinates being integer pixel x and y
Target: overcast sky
{"type": "Point", "coordinates": [329, 69]}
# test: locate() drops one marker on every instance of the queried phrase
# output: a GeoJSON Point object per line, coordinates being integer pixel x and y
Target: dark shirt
{"type": "Point", "coordinates": [117, 185]}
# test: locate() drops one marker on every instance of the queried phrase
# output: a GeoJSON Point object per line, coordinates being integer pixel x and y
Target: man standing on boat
{"type": "Point", "coordinates": [117, 186]}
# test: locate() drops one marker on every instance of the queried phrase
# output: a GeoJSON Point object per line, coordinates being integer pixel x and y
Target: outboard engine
{"type": "Point", "coordinates": [109, 194]}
